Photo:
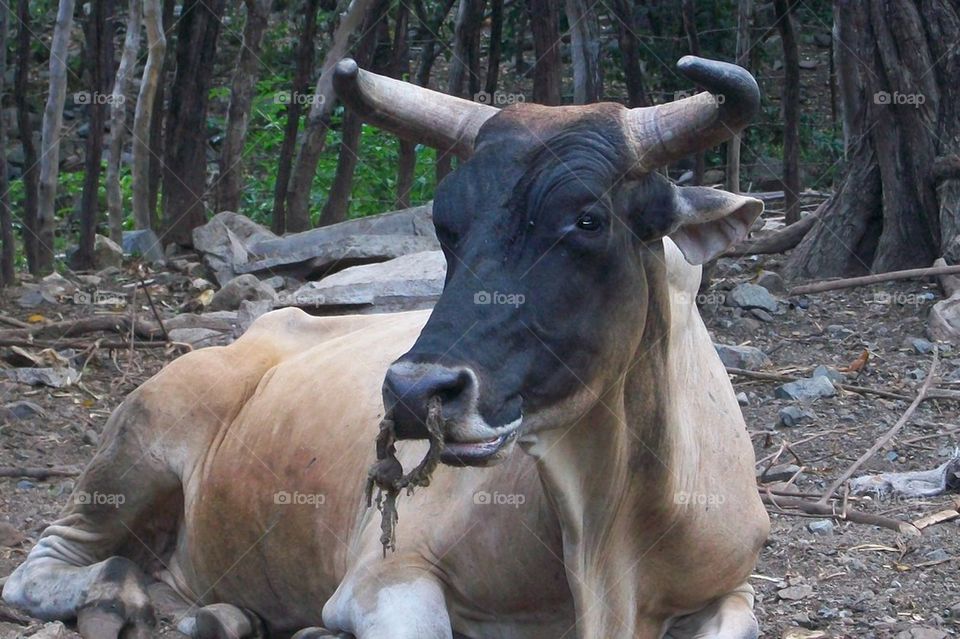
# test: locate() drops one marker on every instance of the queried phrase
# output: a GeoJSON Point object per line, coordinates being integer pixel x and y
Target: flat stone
{"type": "Point", "coordinates": [943, 323]}
{"type": "Point", "coordinates": [749, 296]}
{"type": "Point", "coordinates": [791, 416]}
{"type": "Point", "coordinates": [806, 389]}
{"type": "Point", "coordinates": [761, 314]}
{"type": "Point", "coordinates": [919, 345]}
{"type": "Point", "coordinates": [53, 630]}
{"type": "Point", "coordinates": [746, 357]}
{"type": "Point", "coordinates": [405, 283]}
{"type": "Point", "coordinates": [771, 281]}
{"type": "Point", "coordinates": [106, 252]}
{"type": "Point", "coordinates": [922, 632]}
{"type": "Point", "coordinates": [795, 593]}
{"type": "Point", "coordinates": [250, 311]}
{"type": "Point", "coordinates": [780, 472]}
{"type": "Point", "coordinates": [52, 377]}
{"type": "Point", "coordinates": [199, 337]}
{"type": "Point", "coordinates": [23, 409]}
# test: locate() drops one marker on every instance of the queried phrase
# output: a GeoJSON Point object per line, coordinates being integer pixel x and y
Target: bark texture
{"type": "Point", "coordinates": [585, 52]}
{"type": "Point", "coordinates": [898, 66]}
{"type": "Point", "coordinates": [25, 131]}
{"type": "Point", "coordinates": [545, 24]}
{"type": "Point", "coordinates": [790, 102]}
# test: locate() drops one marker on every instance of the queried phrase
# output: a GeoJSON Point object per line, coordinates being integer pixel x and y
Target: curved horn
{"type": "Point", "coordinates": [667, 132]}
{"type": "Point", "coordinates": [420, 115]}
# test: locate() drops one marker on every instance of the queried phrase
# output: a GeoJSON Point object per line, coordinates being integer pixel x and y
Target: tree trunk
{"type": "Point", "coordinates": [585, 52]}
{"type": "Point", "coordinates": [118, 119]}
{"type": "Point", "coordinates": [185, 152]}
{"type": "Point", "coordinates": [99, 63]}
{"type": "Point", "coordinates": [544, 19]}
{"type": "Point", "coordinates": [464, 65]}
{"type": "Point", "coordinates": [428, 34]}
{"type": "Point", "coordinates": [301, 84]}
{"type": "Point", "coordinates": [744, 11]}
{"type": "Point", "coordinates": [791, 110]}
{"type": "Point", "coordinates": [25, 131]}
{"type": "Point", "coordinates": [315, 135]}
{"type": "Point", "coordinates": [632, 72]}
{"type": "Point", "coordinates": [7, 248]}
{"type": "Point", "coordinates": [400, 68]}
{"type": "Point", "coordinates": [143, 211]}
{"type": "Point", "coordinates": [689, 12]}
{"type": "Point", "coordinates": [338, 199]}
{"type": "Point", "coordinates": [496, 44]}
{"type": "Point", "coordinates": [50, 144]}
{"type": "Point", "coordinates": [241, 99]}
{"type": "Point", "coordinates": [158, 117]}
{"type": "Point", "coordinates": [898, 67]}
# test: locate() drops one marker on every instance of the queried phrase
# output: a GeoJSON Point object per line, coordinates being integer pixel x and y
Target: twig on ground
{"type": "Point", "coordinates": [156, 315]}
{"type": "Point", "coordinates": [810, 507]}
{"type": "Point", "coordinates": [39, 473]}
{"type": "Point", "coordinates": [886, 437]}
{"type": "Point", "coordinates": [851, 282]}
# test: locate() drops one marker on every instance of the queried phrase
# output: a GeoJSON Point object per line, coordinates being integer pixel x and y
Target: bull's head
{"type": "Point", "coordinates": [552, 227]}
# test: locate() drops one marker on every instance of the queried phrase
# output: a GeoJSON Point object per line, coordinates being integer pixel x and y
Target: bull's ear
{"type": "Point", "coordinates": [710, 221]}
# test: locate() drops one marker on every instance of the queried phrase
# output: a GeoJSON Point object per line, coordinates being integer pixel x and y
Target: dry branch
{"type": "Point", "coordinates": [886, 437]}
{"type": "Point", "coordinates": [113, 322]}
{"type": "Point", "coordinates": [850, 282]}
{"type": "Point", "coordinates": [40, 473]}
{"type": "Point", "coordinates": [829, 510]}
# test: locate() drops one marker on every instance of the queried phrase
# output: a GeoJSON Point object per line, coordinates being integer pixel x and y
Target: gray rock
{"type": "Point", "coordinates": [919, 345]}
{"type": "Point", "coordinates": [91, 437]}
{"type": "Point", "coordinates": [790, 416]}
{"type": "Point", "coordinates": [240, 288]}
{"type": "Point", "coordinates": [23, 409]}
{"type": "Point", "coordinates": [742, 399]}
{"type": "Point", "coordinates": [231, 244]}
{"type": "Point", "coordinates": [106, 252]}
{"type": "Point", "coordinates": [937, 555]}
{"type": "Point", "coordinates": [749, 295]}
{"type": "Point", "coordinates": [806, 389]}
{"type": "Point", "coordinates": [943, 323]}
{"type": "Point", "coordinates": [250, 311]}
{"type": "Point", "coordinates": [143, 243]}
{"type": "Point", "coordinates": [771, 281]}
{"type": "Point", "coordinates": [917, 374]}
{"type": "Point", "coordinates": [829, 372]}
{"type": "Point", "coordinates": [821, 527]}
{"type": "Point", "coordinates": [838, 332]}
{"type": "Point", "coordinates": [223, 321]}
{"type": "Point", "coordinates": [746, 357]}
{"type": "Point", "coordinates": [25, 484]}
{"type": "Point", "coordinates": [405, 283]}
{"type": "Point", "coordinates": [52, 377]}
{"type": "Point", "coordinates": [922, 632]}
{"type": "Point", "coordinates": [52, 630]}
{"type": "Point", "coordinates": [795, 593]}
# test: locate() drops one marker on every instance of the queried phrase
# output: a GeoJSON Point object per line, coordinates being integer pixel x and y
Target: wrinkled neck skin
{"type": "Point", "coordinates": [611, 477]}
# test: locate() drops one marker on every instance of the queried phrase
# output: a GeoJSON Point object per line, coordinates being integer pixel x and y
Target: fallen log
{"type": "Point", "coordinates": [809, 507]}
{"type": "Point", "coordinates": [40, 473]}
{"type": "Point", "coordinates": [865, 280]}
{"type": "Point", "coordinates": [112, 322]}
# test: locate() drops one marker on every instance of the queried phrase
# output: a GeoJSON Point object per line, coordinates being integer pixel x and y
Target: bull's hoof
{"type": "Point", "coordinates": [223, 621]}
{"type": "Point", "coordinates": [117, 605]}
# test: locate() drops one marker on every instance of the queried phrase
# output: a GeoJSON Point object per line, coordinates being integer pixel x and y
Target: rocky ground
{"type": "Point", "coordinates": [817, 576]}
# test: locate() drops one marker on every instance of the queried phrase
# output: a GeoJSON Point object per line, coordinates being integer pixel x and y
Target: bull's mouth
{"type": "Point", "coordinates": [480, 452]}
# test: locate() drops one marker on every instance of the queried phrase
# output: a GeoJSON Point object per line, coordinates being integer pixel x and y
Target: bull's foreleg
{"type": "Point", "coordinates": [383, 605]}
{"type": "Point", "coordinates": [729, 617]}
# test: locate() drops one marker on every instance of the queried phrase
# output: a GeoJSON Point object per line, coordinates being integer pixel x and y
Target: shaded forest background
{"type": "Point", "coordinates": [243, 117]}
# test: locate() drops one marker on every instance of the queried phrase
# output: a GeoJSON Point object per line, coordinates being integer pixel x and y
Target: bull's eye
{"type": "Point", "coordinates": [589, 221]}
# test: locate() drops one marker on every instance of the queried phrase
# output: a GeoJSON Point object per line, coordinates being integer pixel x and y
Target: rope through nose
{"type": "Point", "coordinates": [386, 474]}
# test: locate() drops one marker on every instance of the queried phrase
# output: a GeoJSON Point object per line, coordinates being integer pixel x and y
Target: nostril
{"type": "Point", "coordinates": [409, 387]}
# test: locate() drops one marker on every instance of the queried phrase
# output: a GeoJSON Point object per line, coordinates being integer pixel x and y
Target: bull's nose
{"type": "Point", "coordinates": [409, 386]}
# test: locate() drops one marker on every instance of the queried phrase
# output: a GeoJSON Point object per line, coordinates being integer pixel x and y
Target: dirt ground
{"type": "Point", "coordinates": [858, 581]}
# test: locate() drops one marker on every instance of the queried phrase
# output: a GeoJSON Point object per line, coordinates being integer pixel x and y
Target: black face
{"type": "Point", "coordinates": [550, 251]}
